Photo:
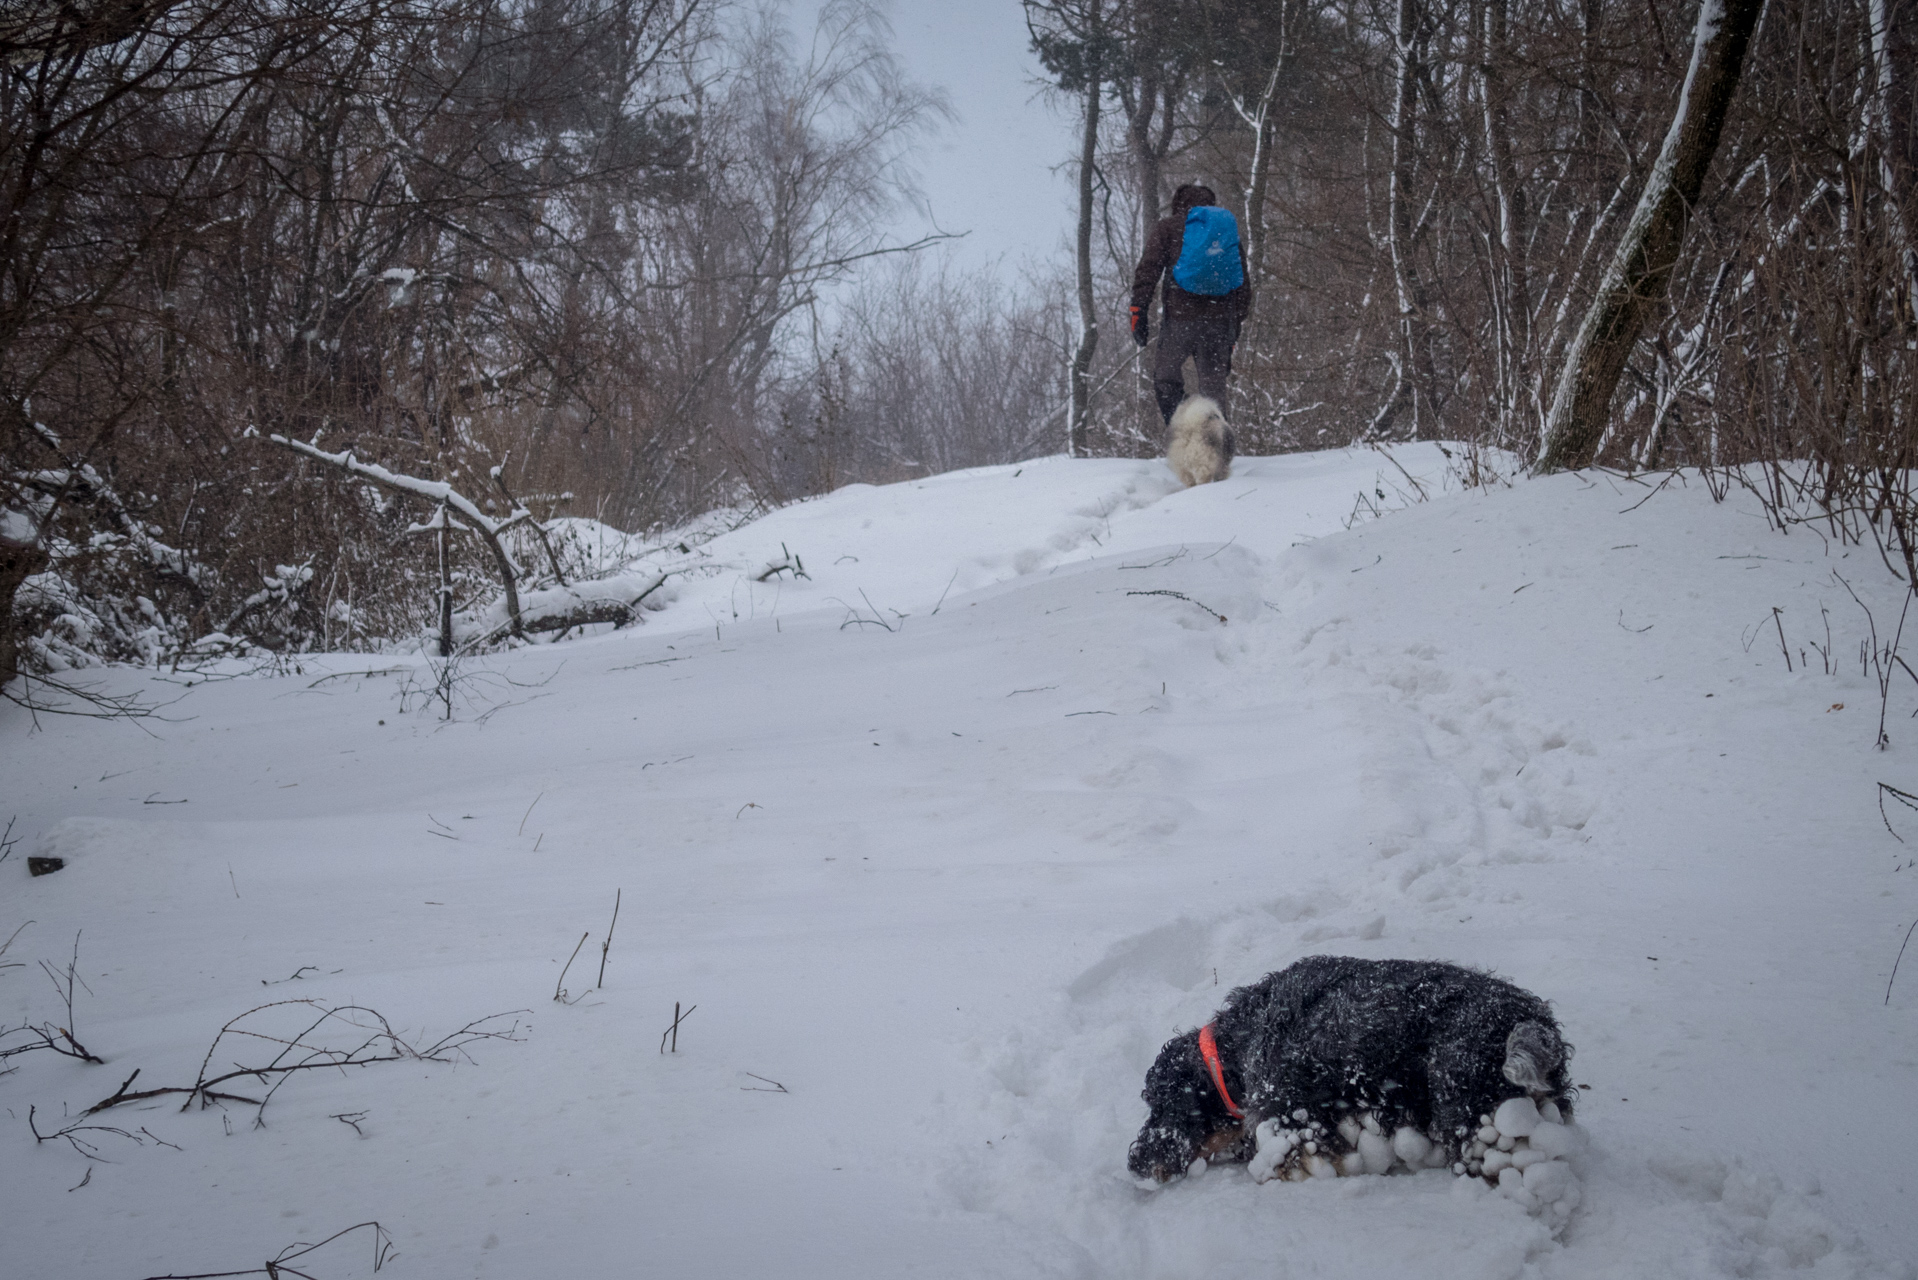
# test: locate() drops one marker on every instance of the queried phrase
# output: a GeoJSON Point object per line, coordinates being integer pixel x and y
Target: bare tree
{"type": "Point", "coordinates": [1076, 41]}
{"type": "Point", "coordinates": [1642, 264]}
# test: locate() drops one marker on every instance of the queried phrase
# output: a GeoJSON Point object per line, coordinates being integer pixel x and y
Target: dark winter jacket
{"type": "Point", "coordinates": [1162, 254]}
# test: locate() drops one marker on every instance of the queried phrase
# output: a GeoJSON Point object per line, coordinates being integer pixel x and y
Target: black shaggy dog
{"type": "Point", "coordinates": [1416, 1043]}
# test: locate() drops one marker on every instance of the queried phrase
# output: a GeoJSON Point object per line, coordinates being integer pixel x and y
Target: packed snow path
{"type": "Point", "coordinates": [949, 836]}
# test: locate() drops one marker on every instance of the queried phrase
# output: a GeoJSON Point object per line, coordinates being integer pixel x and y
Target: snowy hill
{"type": "Point", "coordinates": [945, 838]}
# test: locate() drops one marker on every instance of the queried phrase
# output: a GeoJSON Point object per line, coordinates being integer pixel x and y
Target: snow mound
{"type": "Point", "coordinates": [947, 837]}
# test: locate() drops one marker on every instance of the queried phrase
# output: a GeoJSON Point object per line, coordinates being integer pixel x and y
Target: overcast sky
{"type": "Point", "coordinates": [990, 171]}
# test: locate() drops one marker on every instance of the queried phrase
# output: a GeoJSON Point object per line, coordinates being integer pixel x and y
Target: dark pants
{"type": "Point", "coordinates": [1208, 343]}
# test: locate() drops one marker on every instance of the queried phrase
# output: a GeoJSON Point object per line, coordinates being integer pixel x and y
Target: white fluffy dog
{"type": "Point", "coordinates": [1201, 444]}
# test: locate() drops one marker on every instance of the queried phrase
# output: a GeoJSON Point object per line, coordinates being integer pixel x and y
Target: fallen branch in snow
{"type": "Point", "coordinates": [302, 1051]}
{"type": "Point", "coordinates": [353, 675]}
{"type": "Point", "coordinates": [854, 619]}
{"type": "Point", "coordinates": [1653, 494]}
{"type": "Point", "coordinates": [790, 564]}
{"type": "Point", "coordinates": [298, 973]}
{"type": "Point", "coordinates": [1180, 595]}
{"type": "Point", "coordinates": [1905, 798]}
{"type": "Point", "coordinates": [437, 491]}
{"type": "Point", "coordinates": [72, 1130]}
{"type": "Point", "coordinates": [617, 606]}
{"type": "Point", "coordinates": [73, 1048]}
{"type": "Point", "coordinates": [276, 1266]}
{"type": "Point", "coordinates": [1160, 563]}
{"type": "Point", "coordinates": [92, 704]}
{"type": "Point", "coordinates": [60, 1039]}
{"type": "Point", "coordinates": [615, 600]}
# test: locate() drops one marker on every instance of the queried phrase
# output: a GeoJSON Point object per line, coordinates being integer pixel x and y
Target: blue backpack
{"type": "Point", "coordinates": [1208, 262]}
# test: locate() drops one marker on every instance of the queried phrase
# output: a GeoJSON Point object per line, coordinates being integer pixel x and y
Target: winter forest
{"type": "Point", "coordinates": [543, 478]}
{"type": "Point", "coordinates": [635, 261]}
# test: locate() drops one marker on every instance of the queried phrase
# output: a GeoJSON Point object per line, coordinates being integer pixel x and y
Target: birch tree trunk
{"type": "Point", "coordinates": [1264, 129]}
{"type": "Point", "coordinates": [1258, 116]}
{"type": "Point", "coordinates": [1641, 267]}
{"type": "Point", "coordinates": [1512, 296]}
{"type": "Point", "coordinates": [1077, 439]}
{"type": "Point", "coordinates": [1399, 229]}
{"type": "Point", "coordinates": [1894, 169]}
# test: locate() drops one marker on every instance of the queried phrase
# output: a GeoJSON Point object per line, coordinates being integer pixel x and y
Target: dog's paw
{"type": "Point", "coordinates": [1275, 1145]}
{"type": "Point", "coordinates": [1296, 1154]}
{"type": "Point", "coordinates": [1415, 1149]}
{"type": "Point", "coordinates": [1525, 1151]}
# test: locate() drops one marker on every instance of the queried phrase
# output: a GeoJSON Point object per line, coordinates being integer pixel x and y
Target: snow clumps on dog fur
{"type": "Point", "coordinates": [1523, 1149]}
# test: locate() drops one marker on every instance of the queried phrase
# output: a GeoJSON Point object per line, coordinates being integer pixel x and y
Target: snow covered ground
{"type": "Point", "coordinates": [948, 837]}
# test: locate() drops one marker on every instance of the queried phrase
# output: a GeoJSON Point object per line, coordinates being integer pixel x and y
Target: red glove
{"type": "Point", "coordinates": [1141, 326]}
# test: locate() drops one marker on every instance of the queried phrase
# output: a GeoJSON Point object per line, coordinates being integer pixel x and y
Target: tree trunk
{"type": "Point", "coordinates": [1077, 440]}
{"type": "Point", "coordinates": [1255, 228]}
{"type": "Point", "coordinates": [1891, 118]}
{"type": "Point", "coordinates": [1139, 113]}
{"type": "Point", "coordinates": [446, 583]}
{"type": "Point", "coordinates": [1258, 116]}
{"type": "Point", "coordinates": [1512, 300]}
{"type": "Point", "coordinates": [1412, 354]}
{"type": "Point", "coordinates": [1642, 266]}
{"type": "Point", "coordinates": [20, 559]}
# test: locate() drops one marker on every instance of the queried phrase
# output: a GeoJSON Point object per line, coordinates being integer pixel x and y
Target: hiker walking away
{"type": "Point", "coordinates": [1196, 252]}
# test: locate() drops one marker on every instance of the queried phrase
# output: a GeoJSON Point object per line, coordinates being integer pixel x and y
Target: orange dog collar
{"type": "Point", "coordinates": [1209, 1050]}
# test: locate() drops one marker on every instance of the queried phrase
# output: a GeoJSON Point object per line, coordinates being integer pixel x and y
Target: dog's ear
{"type": "Point", "coordinates": [1533, 1056]}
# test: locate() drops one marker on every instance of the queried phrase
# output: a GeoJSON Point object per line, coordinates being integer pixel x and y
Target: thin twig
{"type": "Point", "coordinates": [1180, 595]}
{"type": "Point", "coordinates": [607, 945]}
{"type": "Point", "coordinates": [1899, 960]}
{"type": "Point", "coordinates": [276, 1266]}
{"type": "Point", "coordinates": [349, 675]}
{"type": "Point", "coordinates": [875, 610]}
{"type": "Point", "coordinates": [673, 1030]}
{"type": "Point", "coordinates": [1905, 798]}
{"type": "Point", "coordinates": [1648, 497]}
{"type": "Point", "coordinates": [942, 599]}
{"type": "Point", "coordinates": [559, 988]}
{"type": "Point", "coordinates": [383, 1044]}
